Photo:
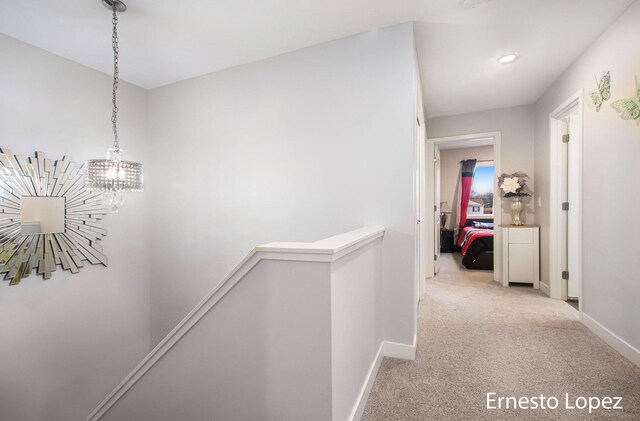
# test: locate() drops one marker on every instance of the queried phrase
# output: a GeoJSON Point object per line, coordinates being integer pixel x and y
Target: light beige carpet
{"type": "Point", "coordinates": [477, 337]}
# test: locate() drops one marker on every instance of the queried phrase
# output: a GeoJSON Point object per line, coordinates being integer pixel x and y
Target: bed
{"type": "Point", "coordinates": [475, 242]}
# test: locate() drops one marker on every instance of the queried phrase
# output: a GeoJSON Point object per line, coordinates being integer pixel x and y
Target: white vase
{"type": "Point", "coordinates": [516, 209]}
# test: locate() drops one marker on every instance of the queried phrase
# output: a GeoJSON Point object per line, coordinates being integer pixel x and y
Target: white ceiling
{"type": "Point", "coordinates": [458, 52]}
{"type": "Point", "coordinates": [166, 41]}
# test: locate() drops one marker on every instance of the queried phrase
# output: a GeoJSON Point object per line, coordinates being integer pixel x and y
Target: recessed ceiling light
{"type": "Point", "coordinates": [508, 58]}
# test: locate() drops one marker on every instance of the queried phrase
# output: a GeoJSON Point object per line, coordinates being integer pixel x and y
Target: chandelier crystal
{"type": "Point", "coordinates": [113, 175]}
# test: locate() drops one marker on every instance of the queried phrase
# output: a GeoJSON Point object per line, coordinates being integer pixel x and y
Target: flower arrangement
{"type": "Point", "coordinates": [513, 185]}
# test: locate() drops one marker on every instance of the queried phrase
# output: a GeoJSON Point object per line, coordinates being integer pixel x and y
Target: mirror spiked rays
{"type": "Point", "coordinates": [113, 175]}
{"type": "Point", "coordinates": [78, 243]}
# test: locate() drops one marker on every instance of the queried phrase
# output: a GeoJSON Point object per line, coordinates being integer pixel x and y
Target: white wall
{"type": "Point", "coordinates": [516, 126]}
{"type": "Point", "coordinates": [263, 352]}
{"type": "Point", "coordinates": [450, 173]}
{"type": "Point", "coordinates": [354, 340]}
{"type": "Point", "coordinates": [289, 335]}
{"type": "Point", "coordinates": [610, 172]}
{"type": "Point", "coordinates": [301, 146]}
{"type": "Point", "coordinates": [67, 341]}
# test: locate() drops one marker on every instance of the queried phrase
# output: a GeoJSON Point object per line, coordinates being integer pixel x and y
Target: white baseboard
{"type": "Point", "coordinates": [398, 350]}
{"type": "Point", "coordinates": [363, 397]}
{"type": "Point", "coordinates": [545, 288]}
{"type": "Point", "coordinates": [386, 349]}
{"type": "Point", "coordinates": [627, 350]}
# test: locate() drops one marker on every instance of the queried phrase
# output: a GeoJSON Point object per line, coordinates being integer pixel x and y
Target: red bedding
{"type": "Point", "coordinates": [469, 234]}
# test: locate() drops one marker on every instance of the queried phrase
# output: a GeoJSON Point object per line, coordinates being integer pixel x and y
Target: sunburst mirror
{"type": "Point", "coordinates": [47, 217]}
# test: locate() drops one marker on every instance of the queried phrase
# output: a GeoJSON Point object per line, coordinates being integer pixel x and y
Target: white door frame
{"type": "Point", "coordinates": [435, 219]}
{"type": "Point", "coordinates": [497, 213]}
{"type": "Point", "coordinates": [557, 287]}
{"type": "Point", "coordinates": [420, 135]}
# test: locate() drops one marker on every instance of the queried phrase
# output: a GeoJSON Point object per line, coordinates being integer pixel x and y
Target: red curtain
{"type": "Point", "coordinates": [466, 179]}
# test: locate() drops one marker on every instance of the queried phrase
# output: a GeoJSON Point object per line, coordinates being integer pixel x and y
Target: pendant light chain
{"type": "Point", "coordinates": [116, 79]}
{"type": "Point", "coordinates": [114, 176]}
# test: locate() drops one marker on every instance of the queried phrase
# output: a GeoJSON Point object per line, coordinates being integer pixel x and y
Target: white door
{"type": "Point", "coordinates": [521, 263]}
{"type": "Point", "coordinates": [573, 198]}
{"type": "Point", "coordinates": [570, 202]}
{"type": "Point", "coordinates": [564, 197]}
{"type": "Point", "coordinates": [436, 213]}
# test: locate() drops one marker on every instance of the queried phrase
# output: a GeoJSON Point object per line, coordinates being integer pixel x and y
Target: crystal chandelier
{"type": "Point", "coordinates": [113, 176]}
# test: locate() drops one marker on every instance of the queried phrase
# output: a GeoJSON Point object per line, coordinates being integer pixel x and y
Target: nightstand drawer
{"type": "Point", "coordinates": [520, 236]}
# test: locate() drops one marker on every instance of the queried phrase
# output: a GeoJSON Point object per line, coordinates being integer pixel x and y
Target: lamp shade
{"type": "Point", "coordinates": [113, 174]}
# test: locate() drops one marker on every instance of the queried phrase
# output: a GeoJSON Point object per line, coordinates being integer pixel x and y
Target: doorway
{"type": "Point", "coordinates": [437, 219]}
{"type": "Point", "coordinates": [566, 202]}
{"type": "Point", "coordinates": [434, 201]}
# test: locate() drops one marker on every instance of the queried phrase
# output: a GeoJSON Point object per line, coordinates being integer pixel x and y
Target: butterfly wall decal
{"type": "Point", "coordinates": [629, 109]}
{"type": "Point", "coordinates": [603, 93]}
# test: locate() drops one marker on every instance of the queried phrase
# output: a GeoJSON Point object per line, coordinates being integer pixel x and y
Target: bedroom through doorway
{"type": "Point", "coordinates": [461, 183]}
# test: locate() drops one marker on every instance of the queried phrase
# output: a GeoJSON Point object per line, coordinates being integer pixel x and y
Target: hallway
{"type": "Point", "coordinates": [477, 337]}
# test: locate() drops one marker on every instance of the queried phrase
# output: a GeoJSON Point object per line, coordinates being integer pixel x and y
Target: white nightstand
{"type": "Point", "coordinates": [521, 254]}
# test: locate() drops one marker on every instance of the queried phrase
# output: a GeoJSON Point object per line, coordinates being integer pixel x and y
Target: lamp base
{"type": "Point", "coordinates": [516, 208]}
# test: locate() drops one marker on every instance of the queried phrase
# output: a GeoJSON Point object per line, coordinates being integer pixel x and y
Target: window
{"type": "Point", "coordinates": [481, 197]}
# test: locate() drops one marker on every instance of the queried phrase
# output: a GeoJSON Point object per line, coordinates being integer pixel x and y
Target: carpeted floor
{"type": "Point", "coordinates": [477, 337]}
